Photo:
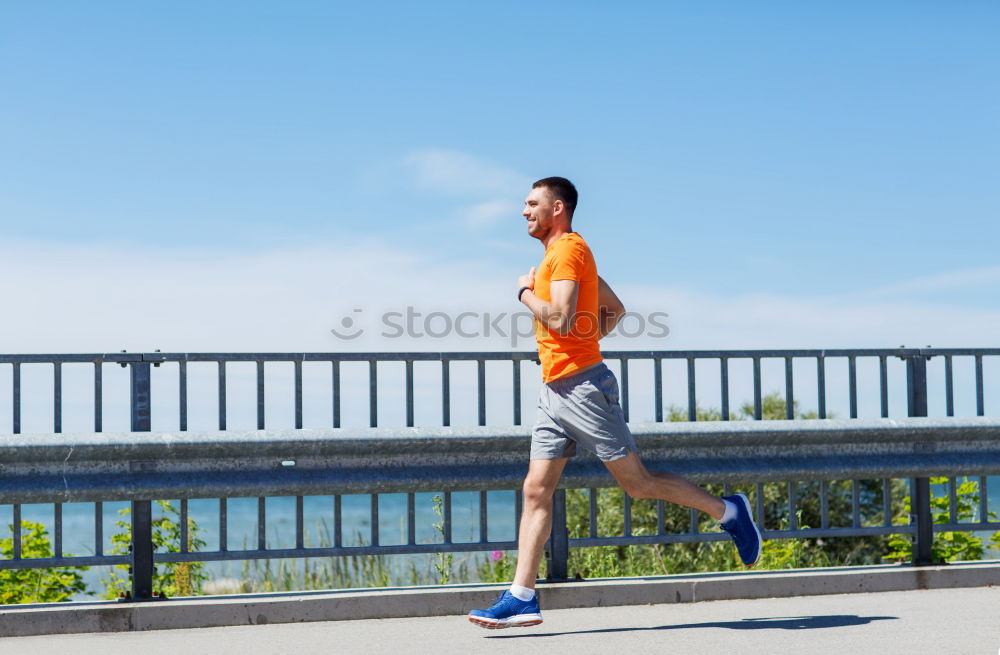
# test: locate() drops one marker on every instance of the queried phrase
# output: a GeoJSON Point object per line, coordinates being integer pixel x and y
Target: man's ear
{"type": "Point", "coordinates": [558, 207]}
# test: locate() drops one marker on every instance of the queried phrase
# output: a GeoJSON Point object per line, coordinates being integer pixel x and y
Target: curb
{"type": "Point", "coordinates": [257, 609]}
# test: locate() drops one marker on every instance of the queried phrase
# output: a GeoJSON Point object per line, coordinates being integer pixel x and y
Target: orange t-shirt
{"type": "Point", "coordinates": [569, 258]}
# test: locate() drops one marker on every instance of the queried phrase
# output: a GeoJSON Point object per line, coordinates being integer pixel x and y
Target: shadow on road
{"type": "Point", "coordinates": [768, 623]}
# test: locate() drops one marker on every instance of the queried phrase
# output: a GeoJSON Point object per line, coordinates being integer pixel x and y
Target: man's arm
{"type": "Point", "coordinates": [557, 315]}
{"type": "Point", "coordinates": [609, 307]}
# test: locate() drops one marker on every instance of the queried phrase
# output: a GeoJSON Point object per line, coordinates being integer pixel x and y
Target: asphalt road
{"type": "Point", "coordinates": [938, 622]}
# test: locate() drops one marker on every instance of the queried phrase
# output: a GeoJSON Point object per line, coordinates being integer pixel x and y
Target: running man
{"type": "Point", "coordinates": [578, 404]}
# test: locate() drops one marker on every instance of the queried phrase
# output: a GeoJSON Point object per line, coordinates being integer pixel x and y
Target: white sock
{"type": "Point", "coordinates": [730, 512]}
{"type": "Point", "coordinates": [521, 593]}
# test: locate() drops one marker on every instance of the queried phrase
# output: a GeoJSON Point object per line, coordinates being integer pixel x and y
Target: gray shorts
{"type": "Point", "coordinates": [581, 409]}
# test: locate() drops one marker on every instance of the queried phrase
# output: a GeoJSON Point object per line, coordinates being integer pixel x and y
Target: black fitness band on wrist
{"type": "Point", "coordinates": [520, 292]}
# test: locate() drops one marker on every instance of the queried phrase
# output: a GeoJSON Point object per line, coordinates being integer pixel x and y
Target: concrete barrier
{"type": "Point", "coordinates": [214, 611]}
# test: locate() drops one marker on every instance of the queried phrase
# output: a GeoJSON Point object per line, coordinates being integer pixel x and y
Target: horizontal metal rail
{"type": "Point", "coordinates": [722, 358]}
{"type": "Point", "coordinates": [146, 466]}
{"type": "Point", "coordinates": [767, 353]}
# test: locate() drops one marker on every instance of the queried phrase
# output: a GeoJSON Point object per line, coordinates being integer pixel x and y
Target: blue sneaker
{"type": "Point", "coordinates": [508, 612]}
{"type": "Point", "coordinates": [744, 531]}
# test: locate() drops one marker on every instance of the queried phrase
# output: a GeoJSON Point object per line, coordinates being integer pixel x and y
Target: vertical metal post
{"type": "Point", "coordinates": [57, 397]}
{"type": "Point", "coordinates": [98, 397]}
{"type": "Point", "coordinates": [481, 386]}
{"type": "Point", "coordinates": [821, 384]}
{"type": "Point", "coordinates": [883, 384]}
{"type": "Point", "coordinates": [141, 419]}
{"type": "Point", "coordinates": [758, 408]}
{"type": "Point", "coordinates": [261, 523]}
{"type": "Point", "coordinates": [373, 393]}
{"type": "Point", "coordinates": [298, 393]}
{"type": "Point", "coordinates": [592, 498]}
{"type": "Point", "coordinates": [789, 389]}
{"type": "Point", "coordinates": [484, 517]}
{"type": "Point", "coordinates": [222, 395]}
{"type": "Point", "coordinates": [852, 384]}
{"type": "Point", "coordinates": [624, 387]}
{"type": "Point", "coordinates": [336, 393]}
{"type": "Point", "coordinates": [17, 528]}
{"type": "Point", "coordinates": [627, 516]}
{"type": "Point", "coordinates": [409, 393]}
{"type": "Point", "coordinates": [692, 391]}
{"type": "Point", "coordinates": [337, 521]}
{"type": "Point", "coordinates": [724, 375]}
{"type": "Point", "coordinates": [185, 540]}
{"type": "Point", "coordinates": [517, 391]}
{"type": "Point", "coordinates": [920, 488]}
{"type": "Point", "coordinates": [980, 410]}
{"type": "Point", "coordinates": [558, 560]}
{"type": "Point", "coordinates": [658, 389]}
{"type": "Point", "coordinates": [445, 393]}
{"type": "Point", "coordinates": [411, 518]}
{"type": "Point", "coordinates": [99, 529]}
{"type": "Point", "coordinates": [16, 408]}
{"type": "Point", "coordinates": [261, 405]}
{"type": "Point", "coordinates": [949, 386]}
{"type": "Point", "coordinates": [182, 394]}
{"type": "Point", "coordinates": [142, 510]}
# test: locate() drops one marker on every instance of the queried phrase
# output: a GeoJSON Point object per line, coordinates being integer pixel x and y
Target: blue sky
{"type": "Point", "coordinates": [791, 158]}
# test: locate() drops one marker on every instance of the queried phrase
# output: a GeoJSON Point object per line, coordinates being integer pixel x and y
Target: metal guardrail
{"type": "Point", "coordinates": [67, 468]}
{"type": "Point", "coordinates": [104, 466]}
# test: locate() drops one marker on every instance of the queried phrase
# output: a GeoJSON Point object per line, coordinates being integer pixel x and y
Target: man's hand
{"type": "Point", "coordinates": [558, 314]}
{"type": "Point", "coordinates": [527, 280]}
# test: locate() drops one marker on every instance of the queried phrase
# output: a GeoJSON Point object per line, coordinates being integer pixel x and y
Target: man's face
{"type": "Point", "coordinates": [539, 208]}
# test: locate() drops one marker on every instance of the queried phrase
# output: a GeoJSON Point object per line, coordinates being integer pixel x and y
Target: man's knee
{"type": "Point", "coordinates": [536, 491]}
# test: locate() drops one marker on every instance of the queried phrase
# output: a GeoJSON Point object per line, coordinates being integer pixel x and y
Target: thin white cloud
{"type": "Point", "coordinates": [947, 281]}
{"type": "Point", "coordinates": [461, 174]}
{"type": "Point", "coordinates": [699, 320]}
{"type": "Point", "coordinates": [495, 191]}
{"type": "Point", "coordinates": [71, 298]}
{"type": "Point", "coordinates": [487, 213]}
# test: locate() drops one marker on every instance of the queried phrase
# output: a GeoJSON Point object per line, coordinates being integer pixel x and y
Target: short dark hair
{"type": "Point", "coordinates": [562, 189]}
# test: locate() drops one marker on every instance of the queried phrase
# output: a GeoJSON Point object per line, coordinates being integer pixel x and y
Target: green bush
{"type": "Point", "coordinates": [171, 578]}
{"type": "Point", "coordinates": [948, 546]}
{"type": "Point", "coordinates": [37, 585]}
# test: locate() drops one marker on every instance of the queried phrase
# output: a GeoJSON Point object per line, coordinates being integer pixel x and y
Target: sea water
{"type": "Point", "coordinates": [318, 522]}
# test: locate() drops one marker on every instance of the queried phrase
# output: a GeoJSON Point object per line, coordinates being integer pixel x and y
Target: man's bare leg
{"type": "Point", "coordinates": [733, 512]}
{"type": "Point", "coordinates": [518, 606]}
{"type": "Point", "coordinates": [536, 517]}
{"type": "Point", "coordinates": [640, 482]}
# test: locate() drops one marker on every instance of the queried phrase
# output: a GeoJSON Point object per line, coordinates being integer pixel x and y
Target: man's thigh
{"type": "Point", "coordinates": [627, 470]}
{"type": "Point", "coordinates": [549, 441]}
